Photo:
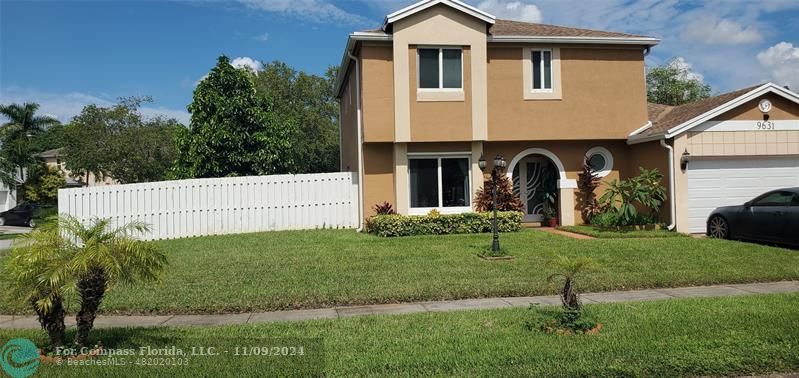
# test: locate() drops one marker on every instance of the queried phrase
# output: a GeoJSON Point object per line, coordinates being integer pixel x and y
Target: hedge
{"type": "Point", "coordinates": [465, 223]}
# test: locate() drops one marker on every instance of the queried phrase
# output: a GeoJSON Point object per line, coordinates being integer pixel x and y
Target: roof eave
{"type": "Point", "coordinates": [422, 5]}
{"type": "Point", "coordinates": [646, 41]}
{"type": "Point", "coordinates": [352, 41]}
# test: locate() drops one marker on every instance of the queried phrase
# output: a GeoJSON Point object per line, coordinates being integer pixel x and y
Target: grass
{"type": "Point", "coordinates": [689, 337]}
{"type": "Point", "coordinates": [8, 236]}
{"type": "Point", "coordinates": [311, 269]}
{"type": "Point", "coordinates": [609, 234]}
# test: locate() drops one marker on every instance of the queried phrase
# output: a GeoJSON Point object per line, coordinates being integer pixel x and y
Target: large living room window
{"type": "Point", "coordinates": [439, 183]}
{"type": "Point", "coordinates": [542, 69]}
{"type": "Point", "coordinates": [440, 68]}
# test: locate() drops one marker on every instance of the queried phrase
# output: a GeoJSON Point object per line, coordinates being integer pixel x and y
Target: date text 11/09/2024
{"type": "Point", "coordinates": [147, 351]}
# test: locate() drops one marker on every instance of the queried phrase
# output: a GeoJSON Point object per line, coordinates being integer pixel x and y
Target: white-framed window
{"type": "Point", "coordinates": [541, 60]}
{"type": "Point", "coordinates": [439, 182]}
{"type": "Point", "coordinates": [439, 68]}
{"type": "Point", "coordinates": [601, 160]}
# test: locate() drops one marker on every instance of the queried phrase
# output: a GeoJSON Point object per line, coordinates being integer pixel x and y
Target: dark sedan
{"type": "Point", "coordinates": [21, 215]}
{"type": "Point", "coordinates": [771, 218]}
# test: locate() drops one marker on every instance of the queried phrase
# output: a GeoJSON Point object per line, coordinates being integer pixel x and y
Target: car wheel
{"type": "Point", "coordinates": [31, 223]}
{"type": "Point", "coordinates": [718, 228]}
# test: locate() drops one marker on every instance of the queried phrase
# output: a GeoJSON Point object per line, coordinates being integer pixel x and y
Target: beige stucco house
{"type": "Point", "coordinates": [442, 83]}
{"type": "Point", "coordinates": [54, 158]}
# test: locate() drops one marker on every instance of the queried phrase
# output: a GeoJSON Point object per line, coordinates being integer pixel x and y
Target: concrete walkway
{"type": "Point", "coordinates": [567, 234]}
{"type": "Point", "coordinates": [107, 321]}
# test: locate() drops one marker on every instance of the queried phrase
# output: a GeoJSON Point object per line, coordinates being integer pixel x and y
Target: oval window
{"type": "Point", "coordinates": [600, 159]}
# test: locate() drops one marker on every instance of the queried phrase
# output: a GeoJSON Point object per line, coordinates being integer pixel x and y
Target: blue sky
{"type": "Point", "coordinates": [70, 53]}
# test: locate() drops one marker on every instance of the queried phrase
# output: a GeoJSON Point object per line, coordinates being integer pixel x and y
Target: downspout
{"type": "Point", "coordinates": [360, 138]}
{"type": "Point", "coordinates": [672, 203]}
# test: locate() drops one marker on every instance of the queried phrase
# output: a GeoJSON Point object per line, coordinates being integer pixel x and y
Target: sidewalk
{"type": "Point", "coordinates": [108, 321]}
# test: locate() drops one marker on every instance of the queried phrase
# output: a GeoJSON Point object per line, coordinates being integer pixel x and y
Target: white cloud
{"type": "Point", "coordinates": [262, 37]}
{"type": "Point", "coordinates": [711, 30]}
{"type": "Point", "coordinates": [686, 69]}
{"type": "Point", "coordinates": [512, 10]}
{"type": "Point", "coordinates": [245, 61]}
{"type": "Point", "coordinates": [317, 11]}
{"type": "Point", "coordinates": [782, 60]}
{"type": "Point", "coordinates": [64, 106]}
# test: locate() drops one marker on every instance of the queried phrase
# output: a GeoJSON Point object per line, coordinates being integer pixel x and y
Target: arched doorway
{"type": "Point", "coordinates": [539, 180]}
{"type": "Point", "coordinates": [535, 182]}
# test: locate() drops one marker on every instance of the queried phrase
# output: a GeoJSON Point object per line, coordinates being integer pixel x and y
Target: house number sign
{"type": "Point", "coordinates": [766, 125]}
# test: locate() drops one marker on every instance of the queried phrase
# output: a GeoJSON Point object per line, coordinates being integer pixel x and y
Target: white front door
{"type": "Point", "coordinates": [720, 182]}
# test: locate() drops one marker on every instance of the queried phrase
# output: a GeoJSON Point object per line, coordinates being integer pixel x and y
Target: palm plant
{"type": "Point", "coordinates": [104, 257]}
{"type": "Point", "coordinates": [38, 274]}
{"type": "Point", "coordinates": [22, 123]}
{"type": "Point", "coordinates": [568, 270]}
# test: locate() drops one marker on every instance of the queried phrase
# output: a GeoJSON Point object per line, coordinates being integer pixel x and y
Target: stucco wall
{"type": "Point", "coordinates": [378, 176]}
{"type": "Point", "coordinates": [782, 109]}
{"type": "Point", "coordinates": [603, 96]}
{"type": "Point", "coordinates": [650, 155]}
{"type": "Point", "coordinates": [349, 125]}
{"type": "Point", "coordinates": [378, 92]}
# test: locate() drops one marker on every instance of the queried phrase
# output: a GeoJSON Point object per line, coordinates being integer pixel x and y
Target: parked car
{"type": "Point", "coordinates": [772, 217]}
{"type": "Point", "coordinates": [21, 215]}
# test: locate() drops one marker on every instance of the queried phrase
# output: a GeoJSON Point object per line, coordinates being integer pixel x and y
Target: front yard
{"type": "Point", "coordinates": [309, 269]}
{"type": "Point", "coordinates": [689, 337]}
{"type": "Point", "coordinates": [614, 234]}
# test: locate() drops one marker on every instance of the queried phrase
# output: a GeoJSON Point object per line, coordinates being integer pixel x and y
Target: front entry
{"type": "Point", "coordinates": [535, 182]}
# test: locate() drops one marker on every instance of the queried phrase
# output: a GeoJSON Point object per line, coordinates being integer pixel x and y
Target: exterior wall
{"type": "Point", "coordinates": [92, 180]}
{"type": "Point", "coordinates": [651, 155]}
{"type": "Point", "coordinates": [781, 109]}
{"type": "Point", "coordinates": [378, 180]}
{"type": "Point", "coordinates": [439, 26]}
{"type": "Point", "coordinates": [603, 95]}
{"type": "Point", "coordinates": [378, 92]}
{"type": "Point", "coordinates": [440, 120]}
{"type": "Point", "coordinates": [570, 154]}
{"type": "Point", "coordinates": [349, 125]}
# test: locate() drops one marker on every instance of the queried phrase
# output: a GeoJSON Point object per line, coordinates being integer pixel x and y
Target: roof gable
{"type": "Point", "coordinates": [426, 4]}
{"type": "Point", "coordinates": [669, 121]}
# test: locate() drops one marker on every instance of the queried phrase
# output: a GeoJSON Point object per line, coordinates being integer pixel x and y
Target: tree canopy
{"type": "Point", "coordinates": [233, 132]}
{"type": "Point", "coordinates": [673, 84]}
{"type": "Point", "coordinates": [16, 135]}
{"type": "Point", "coordinates": [117, 142]}
{"type": "Point", "coordinates": [307, 101]}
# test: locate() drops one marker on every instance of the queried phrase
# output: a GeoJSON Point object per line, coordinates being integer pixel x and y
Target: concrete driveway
{"type": "Point", "coordinates": [5, 230]}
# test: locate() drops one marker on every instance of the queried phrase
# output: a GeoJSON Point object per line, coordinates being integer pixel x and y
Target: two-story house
{"type": "Point", "coordinates": [442, 83]}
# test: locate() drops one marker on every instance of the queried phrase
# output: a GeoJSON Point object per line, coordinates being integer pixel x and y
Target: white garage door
{"type": "Point", "coordinates": [733, 181]}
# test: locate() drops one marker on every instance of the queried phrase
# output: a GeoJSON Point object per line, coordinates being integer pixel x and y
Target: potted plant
{"type": "Point", "coordinates": [550, 216]}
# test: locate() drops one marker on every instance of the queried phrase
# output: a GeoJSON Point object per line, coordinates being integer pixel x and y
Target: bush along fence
{"type": "Point", "coordinates": [197, 207]}
{"type": "Point", "coordinates": [407, 225]}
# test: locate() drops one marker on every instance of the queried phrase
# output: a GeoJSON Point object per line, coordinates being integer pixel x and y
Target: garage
{"type": "Point", "coordinates": [715, 182]}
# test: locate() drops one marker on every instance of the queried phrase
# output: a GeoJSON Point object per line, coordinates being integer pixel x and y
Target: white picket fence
{"type": "Point", "coordinates": [196, 207]}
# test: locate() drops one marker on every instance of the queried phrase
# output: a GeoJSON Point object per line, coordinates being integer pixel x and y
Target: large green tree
{"type": "Point", "coordinates": [232, 130]}
{"type": "Point", "coordinates": [118, 142]}
{"type": "Point", "coordinates": [673, 84]}
{"type": "Point", "coordinates": [21, 126]}
{"type": "Point", "coordinates": [306, 101]}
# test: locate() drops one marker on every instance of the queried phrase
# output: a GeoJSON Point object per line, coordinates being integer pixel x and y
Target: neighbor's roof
{"type": "Point", "coordinates": [51, 153]}
{"type": "Point", "coordinates": [668, 121]}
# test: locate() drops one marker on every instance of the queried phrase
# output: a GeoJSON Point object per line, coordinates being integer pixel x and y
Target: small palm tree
{"type": "Point", "coordinates": [569, 269]}
{"type": "Point", "coordinates": [38, 274]}
{"type": "Point", "coordinates": [22, 123]}
{"type": "Point", "coordinates": [104, 257]}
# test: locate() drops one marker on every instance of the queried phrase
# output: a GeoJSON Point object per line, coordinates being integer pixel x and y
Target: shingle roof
{"type": "Point", "coordinates": [518, 28]}
{"type": "Point", "coordinates": [665, 117]}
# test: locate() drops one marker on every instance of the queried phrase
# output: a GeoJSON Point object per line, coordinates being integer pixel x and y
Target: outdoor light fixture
{"type": "Point", "coordinates": [686, 157]}
{"type": "Point", "coordinates": [499, 165]}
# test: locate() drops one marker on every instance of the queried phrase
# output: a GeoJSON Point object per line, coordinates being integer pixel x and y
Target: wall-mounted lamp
{"type": "Point", "coordinates": [482, 163]}
{"type": "Point", "coordinates": [686, 157]}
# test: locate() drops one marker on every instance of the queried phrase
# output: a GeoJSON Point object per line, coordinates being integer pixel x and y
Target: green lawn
{"type": "Point", "coordinates": [309, 269]}
{"type": "Point", "coordinates": [608, 234]}
{"type": "Point", "coordinates": [690, 337]}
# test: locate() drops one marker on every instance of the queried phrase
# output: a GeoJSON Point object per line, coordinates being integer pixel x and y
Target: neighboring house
{"type": "Point", "coordinates": [442, 83]}
{"type": "Point", "coordinates": [8, 195]}
{"type": "Point", "coordinates": [53, 158]}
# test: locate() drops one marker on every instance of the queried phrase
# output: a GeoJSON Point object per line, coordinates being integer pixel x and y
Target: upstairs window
{"type": "Point", "coordinates": [542, 70]}
{"type": "Point", "coordinates": [440, 68]}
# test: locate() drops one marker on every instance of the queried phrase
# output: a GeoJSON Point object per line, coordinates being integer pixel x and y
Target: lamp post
{"type": "Point", "coordinates": [499, 164]}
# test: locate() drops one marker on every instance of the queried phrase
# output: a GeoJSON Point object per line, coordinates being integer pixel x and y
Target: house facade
{"type": "Point", "coordinates": [441, 84]}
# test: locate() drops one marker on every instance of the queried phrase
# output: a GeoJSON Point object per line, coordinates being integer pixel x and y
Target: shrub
{"type": "Point", "coordinates": [466, 223]}
{"type": "Point", "coordinates": [622, 196]}
{"type": "Point", "coordinates": [384, 209]}
{"type": "Point", "coordinates": [572, 318]}
{"type": "Point", "coordinates": [587, 182]}
{"type": "Point", "coordinates": [611, 218]}
{"type": "Point", "coordinates": [506, 200]}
